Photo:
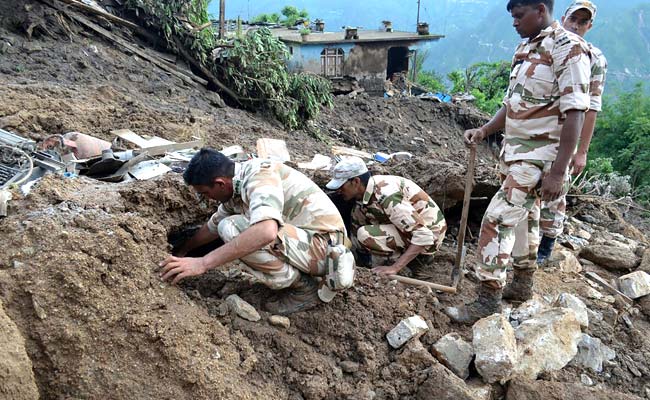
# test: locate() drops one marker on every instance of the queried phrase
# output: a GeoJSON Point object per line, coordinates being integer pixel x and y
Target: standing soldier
{"type": "Point", "coordinates": [578, 18]}
{"type": "Point", "coordinates": [542, 115]}
{"type": "Point", "coordinates": [393, 219]}
{"type": "Point", "coordinates": [278, 222]}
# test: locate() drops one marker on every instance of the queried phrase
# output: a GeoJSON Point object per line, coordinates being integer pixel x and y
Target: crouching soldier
{"type": "Point", "coordinates": [279, 223]}
{"type": "Point", "coordinates": [393, 219]}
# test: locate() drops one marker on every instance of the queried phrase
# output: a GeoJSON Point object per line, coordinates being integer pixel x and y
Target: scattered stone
{"type": "Point", "coordinates": [349, 367]}
{"type": "Point", "coordinates": [242, 308]}
{"type": "Point", "coordinates": [17, 264]}
{"type": "Point", "coordinates": [38, 309]}
{"type": "Point", "coordinates": [527, 310]}
{"type": "Point", "coordinates": [635, 285]}
{"type": "Point", "coordinates": [611, 257]}
{"type": "Point", "coordinates": [442, 384]}
{"type": "Point", "coordinates": [547, 342]}
{"type": "Point", "coordinates": [565, 261]}
{"type": "Point", "coordinates": [454, 353]}
{"type": "Point", "coordinates": [586, 380]}
{"type": "Point", "coordinates": [645, 261]}
{"type": "Point", "coordinates": [16, 370]}
{"type": "Point", "coordinates": [592, 353]}
{"type": "Point", "coordinates": [278, 320]}
{"type": "Point", "coordinates": [582, 233]}
{"type": "Point", "coordinates": [409, 328]}
{"type": "Point", "coordinates": [524, 389]}
{"type": "Point", "coordinates": [567, 300]}
{"type": "Point", "coordinates": [480, 389]}
{"type": "Point", "coordinates": [415, 357]}
{"type": "Point", "coordinates": [644, 304]}
{"type": "Point", "coordinates": [574, 243]}
{"type": "Point", "coordinates": [594, 315]}
{"type": "Point", "coordinates": [495, 347]}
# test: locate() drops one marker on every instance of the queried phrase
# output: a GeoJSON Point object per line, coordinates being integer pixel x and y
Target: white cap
{"type": "Point", "coordinates": [347, 168]}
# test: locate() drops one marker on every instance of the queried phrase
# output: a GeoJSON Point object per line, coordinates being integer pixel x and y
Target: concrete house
{"type": "Point", "coordinates": [370, 57]}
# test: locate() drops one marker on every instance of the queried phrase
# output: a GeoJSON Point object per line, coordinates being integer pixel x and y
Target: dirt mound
{"type": "Point", "coordinates": [16, 376]}
{"type": "Point", "coordinates": [78, 273]}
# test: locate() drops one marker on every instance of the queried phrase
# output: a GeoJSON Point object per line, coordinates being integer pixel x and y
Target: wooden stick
{"type": "Point", "coordinates": [605, 285]}
{"type": "Point", "coordinates": [469, 183]}
{"type": "Point", "coordinates": [417, 282]}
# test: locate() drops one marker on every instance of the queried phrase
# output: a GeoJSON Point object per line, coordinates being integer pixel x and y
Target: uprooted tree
{"type": "Point", "coordinates": [251, 68]}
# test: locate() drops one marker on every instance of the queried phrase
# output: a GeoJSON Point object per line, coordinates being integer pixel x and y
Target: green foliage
{"type": "Point", "coordinates": [290, 13]}
{"type": "Point", "coordinates": [600, 166]}
{"type": "Point", "coordinates": [431, 80]}
{"type": "Point", "coordinates": [256, 70]}
{"type": "Point", "coordinates": [171, 17]}
{"type": "Point", "coordinates": [486, 81]}
{"type": "Point", "coordinates": [305, 31]}
{"type": "Point", "coordinates": [623, 135]}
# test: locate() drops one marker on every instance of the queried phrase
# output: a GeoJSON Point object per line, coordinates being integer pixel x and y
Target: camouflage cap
{"type": "Point", "coordinates": [347, 168]}
{"type": "Point", "coordinates": [580, 4]}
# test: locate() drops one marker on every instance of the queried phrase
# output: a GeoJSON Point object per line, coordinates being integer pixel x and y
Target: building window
{"type": "Point", "coordinates": [331, 62]}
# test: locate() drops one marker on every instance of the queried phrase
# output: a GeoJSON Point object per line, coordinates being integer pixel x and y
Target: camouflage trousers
{"type": "Point", "coordinates": [510, 226]}
{"type": "Point", "coordinates": [386, 243]}
{"type": "Point", "coordinates": [279, 264]}
{"type": "Point", "coordinates": [553, 213]}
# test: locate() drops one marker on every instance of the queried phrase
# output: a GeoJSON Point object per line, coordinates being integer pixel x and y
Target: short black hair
{"type": "Point", "coordinates": [516, 3]}
{"type": "Point", "coordinates": [365, 177]}
{"type": "Point", "coordinates": [206, 165]}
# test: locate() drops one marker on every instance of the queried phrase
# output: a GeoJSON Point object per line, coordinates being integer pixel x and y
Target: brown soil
{"type": "Point", "coordinates": [78, 267]}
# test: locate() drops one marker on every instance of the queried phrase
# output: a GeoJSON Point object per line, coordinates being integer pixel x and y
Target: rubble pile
{"type": "Point", "coordinates": [98, 137]}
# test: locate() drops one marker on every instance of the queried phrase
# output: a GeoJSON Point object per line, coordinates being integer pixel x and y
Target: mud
{"type": "Point", "coordinates": [78, 269]}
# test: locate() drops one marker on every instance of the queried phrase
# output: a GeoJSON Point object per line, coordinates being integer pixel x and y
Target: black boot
{"type": "Point", "coordinates": [420, 267]}
{"type": "Point", "coordinates": [300, 296]}
{"type": "Point", "coordinates": [521, 287]}
{"type": "Point", "coordinates": [545, 249]}
{"type": "Point", "coordinates": [487, 303]}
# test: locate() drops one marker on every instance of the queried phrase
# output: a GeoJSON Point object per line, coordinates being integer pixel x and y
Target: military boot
{"type": "Point", "coordinates": [521, 287]}
{"type": "Point", "coordinates": [487, 303]}
{"type": "Point", "coordinates": [545, 249]}
{"type": "Point", "coordinates": [420, 267]}
{"type": "Point", "coordinates": [300, 296]}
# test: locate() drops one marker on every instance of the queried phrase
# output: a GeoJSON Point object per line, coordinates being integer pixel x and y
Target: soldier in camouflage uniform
{"type": "Point", "coordinates": [542, 114]}
{"type": "Point", "coordinates": [578, 18]}
{"type": "Point", "coordinates": [272, 217]}
{"type": "Point", "coordinates": [393, 218]}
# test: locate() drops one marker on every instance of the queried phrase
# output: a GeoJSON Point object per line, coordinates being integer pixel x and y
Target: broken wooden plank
{"type": "Point", "coordinates": [162, 149]}
{"type": "Point", "coordinates": [608, 287]}
{"type": "Point", "coordinates": [346, 151]}
{"type": "Point", "coordinates": [131, 137]}
{"type": "Point", "coordinates": [417, 282]}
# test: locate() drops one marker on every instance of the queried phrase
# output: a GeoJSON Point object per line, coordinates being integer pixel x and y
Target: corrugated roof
{"type": "Point", "coordinates": [293, 36]}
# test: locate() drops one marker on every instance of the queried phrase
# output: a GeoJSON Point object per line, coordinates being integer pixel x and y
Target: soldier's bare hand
{"type": "Point", "coordinates": [181, 267]}
{"type": "Point", "coordinates": [578, 164]}
{"type": "Point", "coordinates": [474, 136]}
{"type": "Point", "coordinates": [552, 186]}
{"type": "Point", "coordinates": [386, 270]}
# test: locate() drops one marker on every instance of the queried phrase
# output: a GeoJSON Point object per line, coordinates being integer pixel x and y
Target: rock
{"type": "Point", "coordinates": [480, 390]}
{"type": "Point", "coordinates": [565, 261]}
{"type": "Point", "coordinates": [16, 375]}
{"type": "Point", "coordinates": [567, 300]}
{"type": "Point", "coordinates": [586, 380]}
{"type": "Point", "coordinates": [442, 384]}
{"type": "Point", "coordinates": [524, 389]}
{"type": "Point", "coordinates": [409, 328]}
{"type": "Point", "coordinates": [610, 257]}
{"type": "Point", "coordinates": [645, 261]}
{"type": "Point", "coordinates": [582, 233]}
{"type": "Point", "coordinates": [635, 285]}
{"type": "Point", "coordinates": [415, 356]}
{"type": "Point", "coordinates": [495, 347]}
{"type": "Point", "coordinates": [349, 367]}
{"type": "Point", "coordinates": [547, 342]}
{"type": "Point", "coordinates": [242, 308]}
{"type": "Point", "coordinates": [573, 242]}
{"type": "Point", "coordinates": [592, 353]}
{"type": "Point", "coordinates": [527, 310]}
{"type": "Point", "coordinates": [278, 320]}
{"type": "Point", "coordinates": [454, 353]}
{"type": "Point", "coordinates": [644, 304]}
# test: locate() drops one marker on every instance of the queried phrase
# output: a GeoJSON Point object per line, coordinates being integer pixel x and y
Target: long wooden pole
{"type": "Point", "coordinates": [222, 19]}
{"type": "Point", "coordinates": [417, 282]}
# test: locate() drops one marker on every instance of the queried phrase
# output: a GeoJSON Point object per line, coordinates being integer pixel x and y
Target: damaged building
{"type": "Point", "coordinates": [368, 56]}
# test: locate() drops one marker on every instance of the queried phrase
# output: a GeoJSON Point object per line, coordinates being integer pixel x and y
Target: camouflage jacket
{"type": "Point", "coordinates": [549, 76]}
{"type": "Point", "coordinates": [401, 202]}
{"type": "Point", "coordinates": [265, 190]}
{"type": "Point", "coordinates": [597, 81]}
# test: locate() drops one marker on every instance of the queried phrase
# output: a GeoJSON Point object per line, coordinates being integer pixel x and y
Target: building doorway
{"type": "Point", "coordinates": [398, 61]}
